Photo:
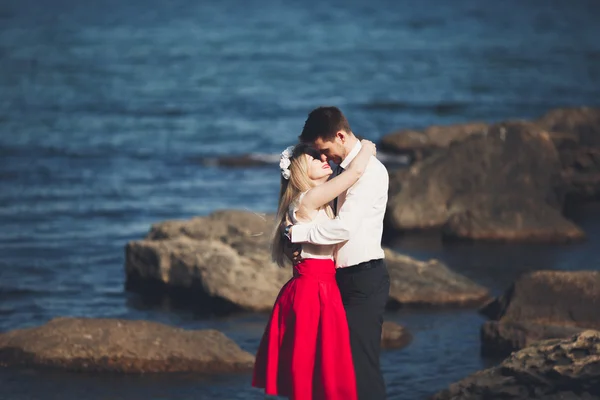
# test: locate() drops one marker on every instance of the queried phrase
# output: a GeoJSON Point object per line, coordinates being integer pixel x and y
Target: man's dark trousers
{"type": "Point", "coordinates": [365, 289]}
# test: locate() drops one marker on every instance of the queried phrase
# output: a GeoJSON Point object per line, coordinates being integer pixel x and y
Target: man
{"type": "Point", "coordinates": [361, 273]}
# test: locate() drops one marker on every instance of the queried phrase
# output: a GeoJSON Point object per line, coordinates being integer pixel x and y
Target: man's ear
{"type": "Point", "coordinates": [341, 135]}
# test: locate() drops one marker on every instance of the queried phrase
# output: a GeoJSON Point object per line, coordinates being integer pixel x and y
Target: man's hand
{"type": "Point", "coordinates": [291, 250]}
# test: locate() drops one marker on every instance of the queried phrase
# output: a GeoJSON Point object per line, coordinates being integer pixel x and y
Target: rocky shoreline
{"type": "Point", "coordinates": [541, 305]}
{"type": "Point", "coordinates": [558, 369]}
{"type": "Point", "coordinates": [504, 182]}
{"type": "Point", "coordinates": [221, 263]}
{"type": "Point", "coordinates": [135, 347]}
{"type": "Point", "coordinates": [507, 182]}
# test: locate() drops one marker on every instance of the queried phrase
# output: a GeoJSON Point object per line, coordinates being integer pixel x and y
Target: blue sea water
{"type": "Point", "coordinates": [106, 108]}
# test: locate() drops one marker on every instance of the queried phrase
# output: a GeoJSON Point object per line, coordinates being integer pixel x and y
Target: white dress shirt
{"type": "Point", "coordinates": [358, 227]}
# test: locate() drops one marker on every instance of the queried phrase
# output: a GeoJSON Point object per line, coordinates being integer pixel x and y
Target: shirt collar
{"type": "Point", "coordinates": [351, 155]}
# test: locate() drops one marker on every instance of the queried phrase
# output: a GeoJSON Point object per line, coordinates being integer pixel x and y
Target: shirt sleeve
{"type": "Point", "coordinates": [358, 199]}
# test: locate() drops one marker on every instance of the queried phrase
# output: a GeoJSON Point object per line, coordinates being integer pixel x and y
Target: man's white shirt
{"type": "Point", "coordinates": [358, 227]}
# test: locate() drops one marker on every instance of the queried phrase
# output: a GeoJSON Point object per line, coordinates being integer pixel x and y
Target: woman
{"type": "Point", "coordinates": [305, 350]}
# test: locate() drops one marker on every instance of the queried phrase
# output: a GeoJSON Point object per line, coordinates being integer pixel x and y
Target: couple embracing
{"type": "Point", "coordinates": [323, 339]}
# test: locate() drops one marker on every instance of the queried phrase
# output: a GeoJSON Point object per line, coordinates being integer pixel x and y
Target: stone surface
{"type": "Point", "coordinates": [576, 134]}
{"type": "Point", "coordinates": [112, 345]}
{"type": "Point", "coordinates": [421, 144]}
{"type": "Point", "coordinates": [429, 283]}
{"type": "Point", "coordinates": [503, 185]}
{"type": "Point", "coordinates": [502, 338]}
{"type": "Point", "coordinates": [556, 369]}
{"type": "Point", "coordinates": [582, 122]}
{"type": "Point", "coordinates": [222, 257]}
{"type": "Point", "coordinates": [562, 298]}
{"type": "Point", "coordinates": [541, 305]}
{"type": "Point", "coordinates": [221, 263]}
{"type": "Point", "coordinates": [511, 218]}
{"type": "Point", "coordinates": [394, 336]}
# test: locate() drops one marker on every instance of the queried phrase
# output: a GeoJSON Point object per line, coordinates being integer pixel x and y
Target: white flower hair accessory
{"type": "Point", "coordinates": [284, 162]}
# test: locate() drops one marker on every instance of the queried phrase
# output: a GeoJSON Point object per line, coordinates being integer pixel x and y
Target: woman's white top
{"type": "Point", "coordinates": [310, 250]}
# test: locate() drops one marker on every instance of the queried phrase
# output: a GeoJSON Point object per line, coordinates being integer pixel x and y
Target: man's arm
{"type": "Point", "coordinates": [358, 198]}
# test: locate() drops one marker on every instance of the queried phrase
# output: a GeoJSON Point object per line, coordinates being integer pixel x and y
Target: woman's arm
{"type": "Point", "coordinates": [321, 195]}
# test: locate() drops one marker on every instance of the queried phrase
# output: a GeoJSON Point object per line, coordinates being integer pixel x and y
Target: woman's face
{"type": "Point", "coordinates": [318, 170]}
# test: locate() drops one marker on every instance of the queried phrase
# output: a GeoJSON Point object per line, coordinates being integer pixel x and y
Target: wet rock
{"type": "Point", "coordinates": [221, 263]}
{"type": "Point", "coordinates": [582, 122]}
{"type": "Point", "coordinates": [551, 370]}
{"type": "Point", "coordinates": [394, 336]}
{"type": "Point", "coordinates": [502, 338]}
{"type": "Point", "coordinates": [469, 189]}
{"type": "Point", "coordinates": [511, 219]}
{"type": "Point", "coordinates": [562, 298]}
{"type": "Point", "coordinates": [541, 305]}
{"type": "Point", "coordinates": [112, 345]}
{"type": "Point", "coordinates": [576, 134]}
{"type": "Point", "coordinates": [429, 283]}
{"type": "Point", "coordinates": [421, 144]}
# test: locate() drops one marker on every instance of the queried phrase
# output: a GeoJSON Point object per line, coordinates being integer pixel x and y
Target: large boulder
{"type": "Point", "coordinates": [565, 369]}
{"type": "Point", "coordinates": [421, 144]}
{"type": "Point", "coordinates": [429, 283]}
{"type": "Point", "coordinates": [499, 185]}
{"type": "Point", "coordinates": [221, 263]}
{"type": "Point", "coordinates": [112, 345]}
{"type": "Point", "coordinates": [541, 305]}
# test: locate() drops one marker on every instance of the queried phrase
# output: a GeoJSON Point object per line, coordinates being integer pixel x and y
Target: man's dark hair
{"type": "Point", "coordinates": [324, 123]}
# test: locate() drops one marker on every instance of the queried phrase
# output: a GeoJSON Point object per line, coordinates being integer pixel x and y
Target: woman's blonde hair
{"type": "Point", "coordinates": [290, 190]}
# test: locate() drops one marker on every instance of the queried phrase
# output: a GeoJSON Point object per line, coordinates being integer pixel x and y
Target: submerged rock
{"type": "Point", "coordinates": [394, 336]}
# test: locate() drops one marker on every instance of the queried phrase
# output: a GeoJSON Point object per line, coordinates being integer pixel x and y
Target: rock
{"type": "Point", "coordinates": [583, 122]}
{"type": "Point", "coordinates": [511, 219]}
{"type": "Point", "coordinates": [238, 161]}
{"type": "Point", "coordinates": [212, 274]}
{"type": "Point", "coordinates": [561, 298]}
{"type": "Point", "coordinates": [576, 134]}
{"type": "Point", "coordinates": [112, 345]}
{"type": "Point", "coordinates": [551, 370]}
{"type": "Point", "coordinates": [541, 305]}
{"type": "Point", "coordinates": [429, 283]}
{"type": "Point", "coordinates": [394, 336]}
{"type": "Point", "coordinates": [421, 144]}
{"type": "Point", "coordinates": [513, 169]}
{"type": "Point", "coordinates": [502, 338]}
{"type": "Point", "coordinates": [220, 262]}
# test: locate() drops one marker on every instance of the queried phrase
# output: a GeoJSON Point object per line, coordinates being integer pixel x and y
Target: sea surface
{"type": "Point", "coordinates": [107, 109]}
